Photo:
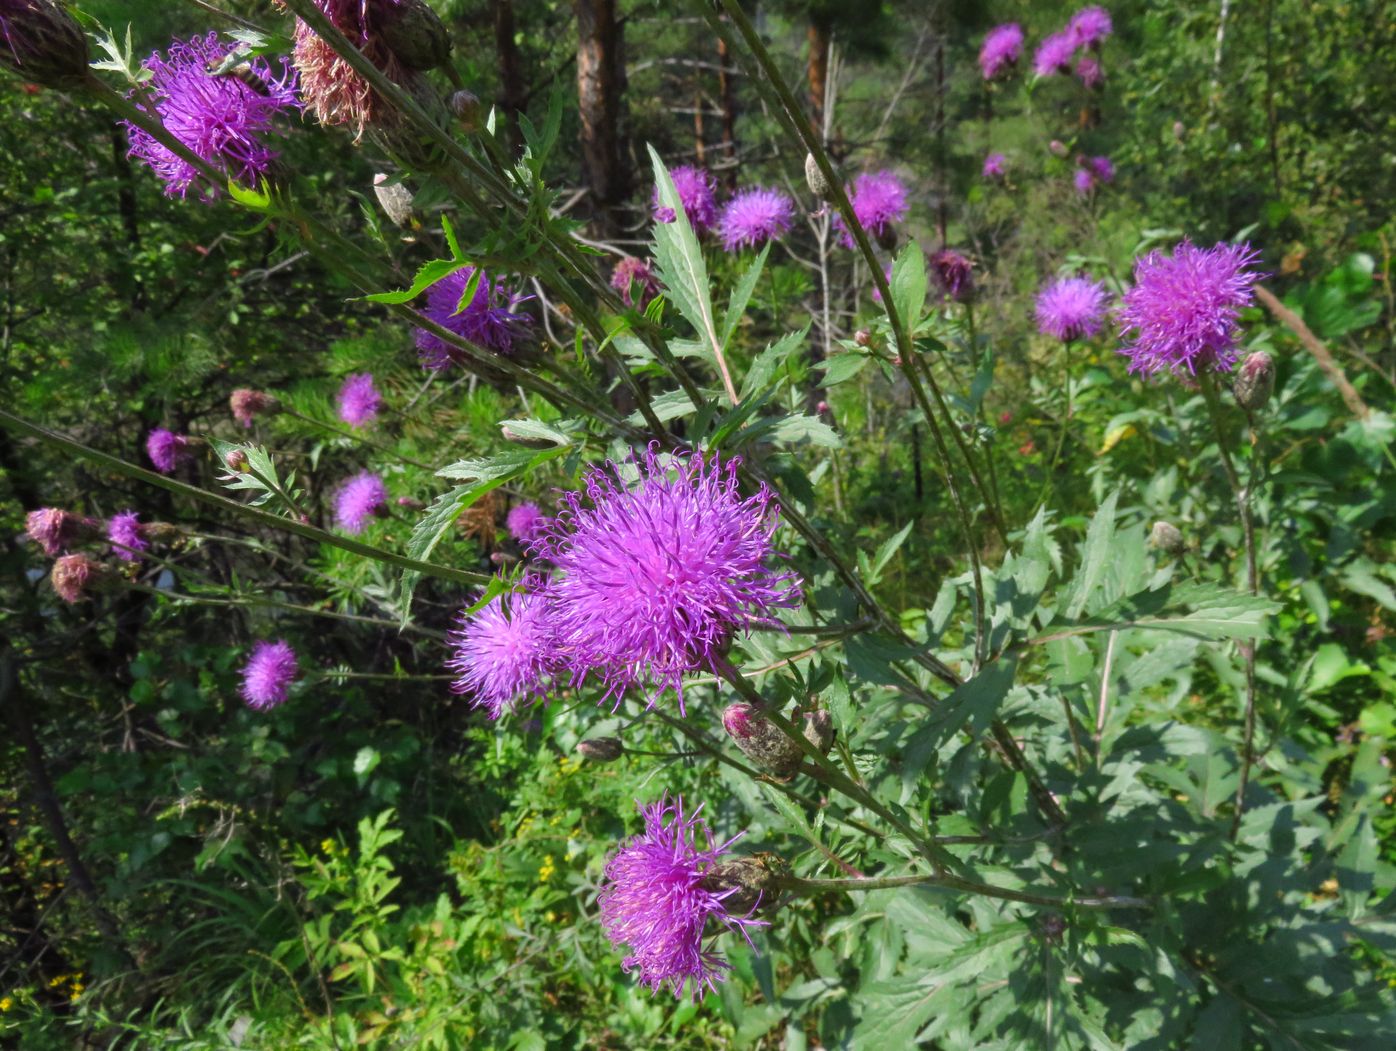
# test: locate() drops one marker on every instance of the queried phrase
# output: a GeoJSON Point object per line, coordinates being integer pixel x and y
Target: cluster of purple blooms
{"type": "Point", "coordinates": [492, 319]}
{"type": "Point", "coordinates": [879, 199]}
{"type": "Point", "coordinates": [1092, 172]}
{"type": "Point", "coordinates": [750, 217]}
{"type": "Point", "coordinates": [1072, 308]}
{"type": "Point", "coordinates": [1087, 29]}
{"type": "Point", "coordinates": [648, 583]}
{"type": "Point", "coordinates": [220, 117]}
{"type": "Point", "coordinates": [268, 674]}
{"type": "Point", "coordinates": [362, 497]}
{"type": "Point", "coordinates": [358, 400]}
{"type": "Point", "coordinates": [166, 449]}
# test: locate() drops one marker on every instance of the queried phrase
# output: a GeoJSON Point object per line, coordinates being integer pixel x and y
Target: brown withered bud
{"type": "Point", "coordinates": [761, 740]}
{"type": "Point", "coordinates": [601, 749]}
{"type": "Point", "coordinates": [395, 199]}
{"type": "Point", "coordinates": [162, 532]}
{"type": "Point", "coordinates": [1255, 381]}
{"type": "Point", "coordinates": [814, 178]}
{"type": "Point", "coordinates": [43, 43]}
{"type": "Point", "coordinates": [247, 404]}
{"type": "Point", "coordinates": [465, 107]}
{"type": "Point", "coordinates": [819, 730]}
{"type": "Point", "coordinates": [415, 35]}
{"type": "Point", "coordinates": [1166, 537]}
{"type": "Point", "coordinates": [753, 882]}
{"type": "Point", "coordinates": [73, 576]}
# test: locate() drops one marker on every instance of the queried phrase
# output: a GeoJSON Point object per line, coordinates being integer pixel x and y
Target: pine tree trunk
{"type": "Point", "coordinates": [512, 92]}
{"type": "Point", "coordinates": [818, 72]}
{"type": "Point", "coordinates": [727, 97]}
{"type": "Point", "coordinates": [600, 92]}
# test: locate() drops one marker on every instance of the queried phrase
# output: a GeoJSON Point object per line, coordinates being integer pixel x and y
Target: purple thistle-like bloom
{"type": "Point", "coordinates": [362, 497]}
{"type": "Point", "coordinates": [358, 400]}
{"type": "Point", "coordinates": [71, 575]}
{"type": "Point", "coordinates": [653, 580]}
{"type": "Point", "coordinates": [124, 531]}
{"type": "Point", "coordinates": [1181, 314]}
{"type": "Point", "coordinates": [995, 166]}
{"type": "Point", "coordinates": [51, 528]}
{"type": "Point", "coordinates": [503, 652]}
{"type": "Point", "coordinates": [1070, 308]}
{"type": "Point", "coordinates": [165, 449]}
{"type": "Point", "coordinates": [525, 522]}
{"type": "Point", "coordinates": [222, 119]}
{"type": "Point", "coordinates": [635, 282]}
{"type": "Point", "coordinates": [879, 199]}
{"type": "Point", "coordinates": [653, 901]}
{"type": "Point", "coordinates": [1089, 71]}
{"type": "Point", "coordinates": [1054, 55]}
{"type": "Point", "coordinates": [695, 189]}
{"type": "Point", "coordinates": [1002, 48]}
{"type": "Point", "coordinates": [1089, 26]}
{"type": "Point", "coordinates": [753, 217]}
{"type": "Point", "coordinates": [1084, 181]}
{"type": "Point", "coordinates": [953, 273]}
{"type": "Point", "coordinates": [1102, 168]}
{"type": "Point", "coordinates": [246, 403]}
{"type": "Point", "coordinates": [268, 674]}
{"type": "Point", "coordinates": [489, 320]}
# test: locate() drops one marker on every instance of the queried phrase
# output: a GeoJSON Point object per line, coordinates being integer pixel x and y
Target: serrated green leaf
{"type": "Point", "coordinates": [842, 367]}
{"type": "Point", "coordinates": [771, 360]}
{"type": "Point", "coordinates": [741, 295]}
{"type": "Point", "coordinates": [427, 275]}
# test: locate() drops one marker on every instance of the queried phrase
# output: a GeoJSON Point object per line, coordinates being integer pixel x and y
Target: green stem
{"type": "Point", "coordinates": [797, 885]}
{"type": "Point", "coordinates": [360, 438]}
{"type": "Point", "coordinates": [1047, 482]}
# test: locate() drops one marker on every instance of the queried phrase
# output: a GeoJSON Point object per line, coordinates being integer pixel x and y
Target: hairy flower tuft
{"type": "Point", "coordinates": [268, 674]}
{"type": "Point", "coordinates": [166, 449]}
{"type": "Point", "coordinates": [654, 901]}
{"type": "Point", "coordinates": [503, 652]}
{"type": "Point", "coordinates": [362, 497]}
{"type": "Point", "coordinates": [1181, 314]}
{"type": "Point", "coordinates": [654, 579]}
{"type": "Point", "coordinates": [1089, 27]}
{"type": "Point", "coordinates": [53, 529]}
{"type": "Point", "coordinates": [246, 404]}
{"type": "Point", "coordinates": [1054, 55]}
{"type": "Point", "coordinates": [696, 193]}
{"type": "Point", "coordinates": [124, 532]}
{"type": "Point", "coordinates": [635, 282]}
{"type": "Point", "coordinates": [525, 522]}
{"type": "Point", "coordinates": [879, 199]}
{"type": "Point", "coordinates": [953, 273]}
{"type": "Point", "coordinates": [358, 400]}
{"type": "Point", "coordinates": [490, 320]}
{"type": "Point", "coordinates": [222, 118]}
{"type": "Point", "coordinates": [995, 166]}
{"type": "Point", "coordinates": [754, 216]}
{"type": "Point", "coordinates": [332, 89]}
{"type": "Point", "coordinates": [1089, 71]}
{"type": "Point", "coordinates": [71, 575]}
{"type": "Point", "coordinates": [1002, 48]}
{"type": "Point", "coordinates": [1071, 308]}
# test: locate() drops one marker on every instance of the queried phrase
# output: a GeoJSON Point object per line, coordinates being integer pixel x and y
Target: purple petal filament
{"type": "Point", "coordinates": [268, 674]}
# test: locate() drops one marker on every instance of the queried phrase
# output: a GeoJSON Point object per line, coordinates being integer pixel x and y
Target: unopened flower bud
{"type": "Point", "coordinates": [43, 43]}
{"type": "Point", "coordinates": [751, 881]}
{"type": "Point", "coordinates": [761, 741]}
{"type": "Point", "coordinates": [395, 199]}
{"type": "Point", "coordinates": [465, 106]}
{"type": "Point", "coordinates": [814, 178]}
{"type": "Point", "coordinates": [1178, 130]}
{"type": "Point", "coordinates": [161, 532]}
{"type": "Point", "coordinates": [1057, 147]}
{"type": "Point", "coordinates": [511, 435]}
{"type": "Point", "coordinates": [863, 338]}
{"type": "Point", "coordinates": [415, 35]}
{"type": "Point", "coordinates": [72, 575]}
{"type": "Point", "coordinates": [1166, 537]}
{"type": "Point", "coordinates": [819, 730]}
{"type": "Point", "coordinates": [236, 460]}
{"type": "Point", "coordinates": [822, 408]}
{"type": "Point", "coordinates": [411, 503]}
{"type": "Point", "coordinates": [1255, 381]}
{"type": "Point", "coordinates": [601, 749]}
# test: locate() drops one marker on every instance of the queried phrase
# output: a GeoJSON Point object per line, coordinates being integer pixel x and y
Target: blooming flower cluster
{"type": "Point", "coordinates": [1092, 172]}
{"type": "Point", "coordinates": [1002, 48]}
{"type": "Point", "coordinates": [124, 532]}
{"type": "Point", "coordinates": [1071, 308]}
{"type": "Point", "coordinates": [698, 195]}
{"type": "Point", "coordinates": [362, 497]}
{"type": "Point", "coordinates": [1085, 31]}
{"type": "Point", "coordinates": [525, 522]}
{"type": "Point", "coordinates": [635, 282]}
{"type": "Point", "coordinates": [657, 900]}
{"type": "Point", "coordinates": [648, 582]}
{"type": "Point", "coordinates": [953, 273]}
{"type": "Point", "coordinates": [754, 216]}
{"type": "Point", "coordinates": [268, 674]}
{"type": "Point", "coordinates": [166, 449]}
{"type": "Point", "coordinates": [1182, 313]}
{"type": "Point", "coordinates": [358, 400]}
{"type": "Point", "coordinates": [491, 319]}
{"type": "Point", "coordinates": [220, 117]}
{"type": "Point", "coordinates": [995, 166]}
{"type": "Point", "coordinates": [879, 199]}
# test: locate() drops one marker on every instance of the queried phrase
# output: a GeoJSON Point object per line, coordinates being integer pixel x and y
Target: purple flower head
{"type": "Point", "coordinates": [362, 497]}
{"type": "Point", "coordinates": [268, 674]}
{"type": "Point", "coordinates": [635, 282]}
{"type": "Point", "coordinates": [653, 580]}
{"type": "Point", "coordinates": [525, 522]}
{"type": "Point", "coordinates": [953, 273]}
{"type": "Point", "coordinates": [1181, 314]}
{"type": "Point", "coordinates": [1070, 308]}
{"type": "Point", "coordinates": [51, 528]}
{"type": "Point", "coordinates": [71, 575]}
{"type": "Point", "coordinates": [124, 532]}
{"type": "Point", "coordinates": [1089, 71]}
{"type": "Point", "coordinates": [1003, 47]}
{"type": "Point", "coordinates": [1102, 168]}
{"type": "Point", "coordinates": [221, 118]}
{"type": "Point", "coordinates": [753, 217]}
{"type": "Point", "coordinates": [1089, 27]}
{"type": "Point", "coordinates": [489, 320]}
{"type": "Point", "coordinates": [654, 901]}
{"type": "Point", "coordinates": [166, 449]}
{"type": "Point", "coordinates": [879, 199]}
{"type": "Point", "coordinates": [1084, 181]}
{"type": "Point", "coordinates": [1054, 55]}
{"type": "Point", "coordinates": [695, 188]}
{"type": "Point", "coordinates": [995, 166]}
{"type": "Point", "coordinates": [358, 400]}
{"type": "Point", "coordinates": [503, 652]}
{"type": "Point", "coordinates": [246, 404]}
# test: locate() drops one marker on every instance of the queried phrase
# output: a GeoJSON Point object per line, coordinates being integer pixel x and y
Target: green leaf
{"type": "Point", "coordinates": [741, 295]}
{"type": "Point", "coordinates": [884, 555]}
{"type": "Point", "coordinates": [1205, 611]}
{"type": "Point", "coordinates": [366, 761]}
{"type": "Point", "coordinates": [809, 430]}
{"type": "Point", "coordinates": [680, 261]}
{"type": "Point", "coordinates": [909, 284]}
{"type": "Point", "coordinates": [534, 430]}
{"type": "Point", "coordinates": [842, 367]}
{"type": "Point", "coordinates": [1095, 556]}
{"type": "Point", "coordinates": [427, 275]}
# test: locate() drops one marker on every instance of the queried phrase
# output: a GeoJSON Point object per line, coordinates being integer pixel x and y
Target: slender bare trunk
{"type": "Point", "coordinates": [512, 91]}
{"type": "Point", "coordinates": [600, 91]}
{"type": "Point", "coordinates": [818, 72]}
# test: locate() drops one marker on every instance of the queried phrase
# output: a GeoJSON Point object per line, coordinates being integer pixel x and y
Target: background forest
{"type": "Point", "coordinates": [1072, 726]}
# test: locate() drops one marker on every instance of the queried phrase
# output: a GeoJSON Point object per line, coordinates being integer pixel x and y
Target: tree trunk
{"type": "Point", "coordinates": [818, 72]}
{"type": "Point", "coordinates": [600, 90]}
{"type": "Point", "coordinates": [512, 92]}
